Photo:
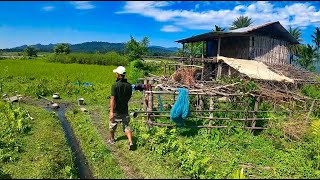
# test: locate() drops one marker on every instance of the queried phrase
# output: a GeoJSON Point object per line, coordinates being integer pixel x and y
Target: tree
{"type": "Point", "coordinates": [217, 28]}
{"type": "Point", "coordinates": [316, 40]}
{"type": "Point", "coordinates": [30, 51]}
{"type": "Point", "coordinates": [180, 52]}
{"type": "Point", "coordinates": [240, 22]}
{"type": "Point", "coordinates": [135, 50]}
{"type": "Point", "coordinates": [193, 49]}
{"type": "Point", "coordinates": [307, 56]}
{"type": "Point", "coordinates": [294, 49]}
{"type": "Point", "coordinates": [63, 48]}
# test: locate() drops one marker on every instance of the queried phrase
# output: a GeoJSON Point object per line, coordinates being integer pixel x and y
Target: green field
{"type": "Point", "coordinates": [161, 152]}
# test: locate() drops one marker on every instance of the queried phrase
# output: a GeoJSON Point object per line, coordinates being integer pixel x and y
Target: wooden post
{"type": "Point", "coordinates": [211, 107]}
{"type": "Point", "coordinates": [219, 63]}
{"type": "Point", "coordinates": [202, 56]}
{"type": "Point", "coordinates": [191, 50]}
{"type": "Point", "coordinates": [246, 114]}
{"type": "Point", "coordinates": [219, 43]}
{"type": "Point", "coordinates": [197, 106]}
{"type": "Point", "coordinates": [229, 71]}
{"type": "Point", "coordinates": [219, 70]}
{"type": "Point", "coordinates": [202, 72]}
{"type": "Point", "coordinates": [250, 47]}
{"type": "Point", "coordinates": [150, 106]}
{"type": "Point", "coordinates": [256, 107]}
{"type": "Point", "coordinates": [183, 48]}
{"type": "Point", "coordinates": [145, 102]}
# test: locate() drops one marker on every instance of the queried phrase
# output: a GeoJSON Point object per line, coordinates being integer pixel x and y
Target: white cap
{"type": "Point", "coordinates": [120, 70]}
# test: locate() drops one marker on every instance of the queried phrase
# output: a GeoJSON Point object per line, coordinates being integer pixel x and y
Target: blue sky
{"type": "Point", "coordinates": [162, 21]}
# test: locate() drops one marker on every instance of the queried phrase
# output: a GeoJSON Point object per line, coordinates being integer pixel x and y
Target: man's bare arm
{"type": "Point", "coordinates": [111, 114]}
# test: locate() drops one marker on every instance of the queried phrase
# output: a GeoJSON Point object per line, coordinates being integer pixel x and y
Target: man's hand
{"type": "Point", "coordinates": [111, 117]}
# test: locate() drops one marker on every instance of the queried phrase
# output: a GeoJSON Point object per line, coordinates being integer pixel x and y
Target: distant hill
{"type": "Point", "coordinates": [102, 47]}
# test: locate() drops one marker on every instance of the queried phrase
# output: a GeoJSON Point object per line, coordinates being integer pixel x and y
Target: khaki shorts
{"type": "Point", "coordinates": [123, 118]}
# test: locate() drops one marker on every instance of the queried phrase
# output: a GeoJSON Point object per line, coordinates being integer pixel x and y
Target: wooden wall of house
{"type": "Point", "coordinates": [269, 50]}
{"type": "Point", "coordinates": [235, 47]}
{"type": "Point", "coordinates": [211, 48]}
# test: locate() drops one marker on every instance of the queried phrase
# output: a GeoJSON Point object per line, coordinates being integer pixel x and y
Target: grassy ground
{"type": "Point", "coordinates": [161, 153]}
{"type": "Point", "coordinates": [30, 76]}
{"type": "Point", "coordinates": [45, 151]}
{"type": "Point", "coordinates": [97, 154]}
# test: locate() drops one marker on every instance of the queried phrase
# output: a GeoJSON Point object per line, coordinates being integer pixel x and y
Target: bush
{"type": "Point", "coordinates": [311, 91]}
{"type": "Point", "coordinates": [14, 124]}
{"type": "Point", "coordinates": [135, 71]}
{"type": "Point", "coordinates": [110, 58]}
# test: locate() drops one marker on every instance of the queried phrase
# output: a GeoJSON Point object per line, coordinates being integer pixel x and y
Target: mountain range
{"type": "Point", "coordinates": [94, 46]}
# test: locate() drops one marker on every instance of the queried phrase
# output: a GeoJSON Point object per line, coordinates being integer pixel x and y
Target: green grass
{"type": "Point", "coordinates": [45, 153]}
{"type": "Point", "coordinates": [29, 77]}
{"type": "Point", "coordinates": [161, 153]}
{"type": "Point", "coordinates": [141, 159]}
{"type": "Point", "coordinates": [98, 156]}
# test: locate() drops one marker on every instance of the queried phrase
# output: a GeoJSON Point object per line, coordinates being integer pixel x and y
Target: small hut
{"type": "Point", "coordinates": [267, 43]}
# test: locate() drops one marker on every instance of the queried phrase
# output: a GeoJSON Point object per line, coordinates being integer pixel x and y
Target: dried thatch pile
{"type": "Point", "coordinates": [185, 76]}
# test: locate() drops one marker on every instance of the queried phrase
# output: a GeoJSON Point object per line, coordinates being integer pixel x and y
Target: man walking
{"type": "Point", "coordinates": [121, 92]}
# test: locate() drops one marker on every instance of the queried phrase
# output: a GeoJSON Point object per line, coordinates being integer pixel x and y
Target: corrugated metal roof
{"type": "Point", "coordinates": [251, 28]}
{"type": "Point", "coordinates": [275, 28]}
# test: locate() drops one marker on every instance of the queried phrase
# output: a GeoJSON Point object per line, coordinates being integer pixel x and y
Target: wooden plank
{"type": "Point", "coordinates": [171, 125]}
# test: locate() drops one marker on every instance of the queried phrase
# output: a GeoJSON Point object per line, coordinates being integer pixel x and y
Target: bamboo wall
{"type": "Point", "coordinates": [268, 50]}
{"type": "Point", "coordinates": [235, 47]}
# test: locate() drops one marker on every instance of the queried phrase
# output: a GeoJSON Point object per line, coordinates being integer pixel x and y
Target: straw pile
{"type": "Point", "coordinates": [185, 76]}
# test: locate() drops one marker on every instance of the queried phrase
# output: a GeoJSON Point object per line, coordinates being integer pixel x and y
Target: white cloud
{"type": "Point", "coordinates": [170, 28]}
{"type": "Point", "coordinates": [303, 14]}
{"type": "Point", "coordinates": [48, 8]}
{"type": "Point", "coordinates": [82, 5]}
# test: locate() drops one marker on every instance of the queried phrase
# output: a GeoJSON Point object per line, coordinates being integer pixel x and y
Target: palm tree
{"type": "Point", "coordinates": [217, 28]}
{"type": "Point", "coordinates": [307, 57]}
{"type": "Point", "coordinates": [240, 22]}
{"type": "Point", "coordinates": [294, 49]}
{"type": "Point", "coordinates": [316, 40]}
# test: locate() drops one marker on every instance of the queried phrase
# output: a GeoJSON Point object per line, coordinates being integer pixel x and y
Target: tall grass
{"type": "Point", "coordinates": [110, 58]}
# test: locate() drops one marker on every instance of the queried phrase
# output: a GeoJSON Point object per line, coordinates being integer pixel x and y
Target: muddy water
{"type": "Point", "coordinates": [81, 163]}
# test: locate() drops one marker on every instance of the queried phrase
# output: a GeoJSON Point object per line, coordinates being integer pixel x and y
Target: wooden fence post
{"type": "Point", "coordinates": [256, 107]}
{"type": "Point", "coordinates": [211, 107]}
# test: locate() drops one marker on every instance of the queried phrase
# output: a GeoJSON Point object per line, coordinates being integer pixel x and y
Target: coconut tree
{"type": "Point", "coordinates": [240, 22]}
{"type": "Point", "coordinates": [316, 40]}
{"type": "Point", "coordinates": [294, 49]}
{"type": "Point", "coordinates": [307, 57]}
{"type": "Point", "coordinates": [217, 28]}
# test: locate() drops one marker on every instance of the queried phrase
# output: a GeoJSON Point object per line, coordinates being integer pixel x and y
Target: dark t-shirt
{"type": "Point", "coordinates": [122, 91]}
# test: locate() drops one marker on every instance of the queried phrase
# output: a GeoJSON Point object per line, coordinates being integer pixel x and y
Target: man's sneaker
{"type": "Point", "coordinates": [130, 146]}
{"type": "Point", "coordinates": [111, 141]}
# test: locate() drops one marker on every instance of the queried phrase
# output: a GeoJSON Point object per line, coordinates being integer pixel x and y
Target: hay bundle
{"type": "Point", "coordinates": [295, 129]}
{"type": "Point", "coordinates": [185, 76]}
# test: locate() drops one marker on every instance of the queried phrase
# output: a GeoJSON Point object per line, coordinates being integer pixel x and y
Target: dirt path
{"type": "Point", "coordinates": [128, 170]}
